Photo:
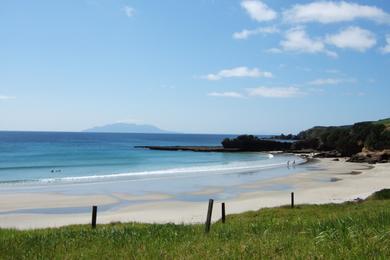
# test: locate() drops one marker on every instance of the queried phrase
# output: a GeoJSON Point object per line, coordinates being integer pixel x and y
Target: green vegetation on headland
{"type": "Point", "coordinates": [363, 142]}
{"type": "Point", "coordinates": [349, 140]}
{"type": "Point", "coordinates": [351, 230]}
{"type": "Point", "coordinates": [253, 143]}
{"type": "Point", "coordinates": [343, 140]}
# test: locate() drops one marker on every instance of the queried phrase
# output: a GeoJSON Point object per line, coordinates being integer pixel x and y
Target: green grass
{"type": "Point", "coordinates": [342, 231]}
{"type": "Point", "coordinates": [386, 122]}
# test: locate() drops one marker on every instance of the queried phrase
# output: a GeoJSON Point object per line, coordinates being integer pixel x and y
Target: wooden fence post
{"type": "Point", "coordinates": [94, 214]}
{"type": "Point", "coordinates": [223, 212]}
{"type": "Point", "coordinates": [209, 212]}
{"type": "Point", "coordinates": [292, 199]}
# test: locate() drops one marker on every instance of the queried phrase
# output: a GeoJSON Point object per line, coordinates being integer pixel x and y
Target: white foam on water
{"type": "Point", "coordinates": [231, 167]}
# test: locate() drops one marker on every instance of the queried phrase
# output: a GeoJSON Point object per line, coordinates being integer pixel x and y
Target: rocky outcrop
{"type": "Point", "coordinates": [371, 157]}
{"type": "Point", "coordinates": [190, 148]}
{"type": "Point", "coordinates": [328, 154]}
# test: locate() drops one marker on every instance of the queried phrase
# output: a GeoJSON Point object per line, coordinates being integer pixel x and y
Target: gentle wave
{"type": "Point", "coordinates": [229, 168]}
{"type": "Point", "coordinates": [232, 167]}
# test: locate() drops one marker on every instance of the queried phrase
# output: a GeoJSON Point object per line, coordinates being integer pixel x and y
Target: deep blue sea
{"type": "Point", "coordinates": [53, 157]}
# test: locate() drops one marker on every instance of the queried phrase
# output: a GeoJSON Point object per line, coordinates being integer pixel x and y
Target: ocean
{"type": "Point", "coordinates": [48, 159]}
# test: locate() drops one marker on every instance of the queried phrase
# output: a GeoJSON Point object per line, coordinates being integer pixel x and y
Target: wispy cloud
{"type": "Point", "coordinates": [4, 97]}
{"type": "Point", "coordinates": [358, 94]}
{"type": "Point", "coordinates": [258, 10]}
{"type": "Point", "coordinates": [239, 72]}
{"type": "Point", "coordinates": [244, 34]}
{"type": "Point", "coordinates": [354, 38]}
{"type": "Point", "coordinates": [129, 11]}
{"type": "Point", "coordinates": [297, 40]}
{"type": "Point", "coordinates": [230, 94]}
{"type": "Point", "coordinates": [386, 48]}
{"type": "Point", "coordinates": [129, 121]}
{"type": "Point", "coordinates": [168, 86]}
{"type": "Point", "coordinates": [264, 92]}
{"type": "Point", "coordinates": [333, 71]}
{"type": "Point", "coordinates": [274, 50]}
{"type": "Point", "coordinates": [274, 92]}
{"type": "Point", "coordinates": [331, 12]}
{"type": "Point", "coordinates": [331, 81]}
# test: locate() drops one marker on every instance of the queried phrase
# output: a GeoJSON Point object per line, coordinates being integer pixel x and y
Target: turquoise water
{"type": "Point", "coordinates": [27, 157]}
{"type": "Point", "coordinates": [108, 164]}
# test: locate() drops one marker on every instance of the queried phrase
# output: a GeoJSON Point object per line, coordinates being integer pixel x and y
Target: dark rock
{"type": "Point", "coordinates": [358, 200]}
{"type": "Point", "coordinates": [371, 157]}
{"type": "Point", "coordinates": [190, 148]}
{"type": "Point", "coordinates": [328, 154]}
{"type": "Point", "coordinates": [359, 158]}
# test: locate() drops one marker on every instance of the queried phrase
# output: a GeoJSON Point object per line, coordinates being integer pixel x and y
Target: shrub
{"type": "Point", "coordinates": [381, 195]}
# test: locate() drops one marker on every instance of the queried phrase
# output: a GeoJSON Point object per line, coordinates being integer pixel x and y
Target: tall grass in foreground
{"type": "Point", "coordinates": [349, 230]}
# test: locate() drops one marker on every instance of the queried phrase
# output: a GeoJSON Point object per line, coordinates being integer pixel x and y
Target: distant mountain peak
{"type": "Point", "coordinates": [127, 128]}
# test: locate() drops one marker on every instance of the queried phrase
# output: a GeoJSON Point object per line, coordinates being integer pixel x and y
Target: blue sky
{"type": "Point", "coordinates": [206, 66]}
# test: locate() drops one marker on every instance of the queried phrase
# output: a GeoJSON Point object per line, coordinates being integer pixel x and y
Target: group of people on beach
{"type": "Point", "coordinates": [288, 164]}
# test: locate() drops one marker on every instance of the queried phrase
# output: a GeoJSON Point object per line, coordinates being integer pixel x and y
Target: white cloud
{"type": "Point", "coordinates": [226, 94]}
{"type": "Point", "coordinates": [386, 48]}
{"type": "Point", "coordinates": [277, 92]}
{"type": "Point", "coordinates": [352, 38]}
{"type": "Point", "coordinates": [129, 11]}
{"type": "Point", "coordinates": [297, 40]}
{"type": "Point", "coordinates": [244, 34]}
{"type": "Point", "coordinates": [266, 92]}
{"type": "Point", "coordinates": [258, 11]}
{"type": "Point", "coordinates": [129, 121]}
{"type": "Point", "coordinates": [359, 94]}
{"type": "Point", "coordinates": [239, 72]}
{"type": "Point", "coordinates": [168, 86]}
{"type": "Point", "coordinates": [274, 50]}
{"type": "Point", "coordinates": [320, 82]}
{"type": "Point", "coordinates": [316, 90]}
{"type": "Point", "coordinates": [332, 71]}
{"type": "Point", "coordinates": [3, 97]}
{"type": "Point", "coordinates": [332, 12]}
{"type": "Point", "coordinates": [330, 81]}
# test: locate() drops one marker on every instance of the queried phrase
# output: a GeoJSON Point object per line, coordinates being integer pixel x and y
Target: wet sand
{"type": "Point", "coordinates": [326, 181]}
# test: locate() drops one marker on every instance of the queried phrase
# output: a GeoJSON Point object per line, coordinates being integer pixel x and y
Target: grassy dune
{"type": "Point", "coordinates": [349, 230]}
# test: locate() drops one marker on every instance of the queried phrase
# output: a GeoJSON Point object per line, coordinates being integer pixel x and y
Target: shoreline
{"type": "Point", "coordinates": [326, 181]}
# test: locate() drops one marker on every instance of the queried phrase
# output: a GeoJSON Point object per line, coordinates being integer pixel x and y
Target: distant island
{"type": "Point", "coordinates": [127, 128]}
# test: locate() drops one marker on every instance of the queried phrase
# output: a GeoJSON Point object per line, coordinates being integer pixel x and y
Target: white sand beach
{"type": "Point", "coordinates": [328, 182]}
